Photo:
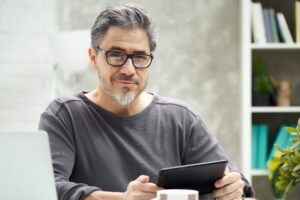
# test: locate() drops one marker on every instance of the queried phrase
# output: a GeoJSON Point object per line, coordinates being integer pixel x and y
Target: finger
{"type": "Point", "coordinates": [230, 196]}
{"type": "Point", "coordinates": [148, 187]}
{"type": "Point", "coordinates": [236, 188]}
{"type": "Point", "coordinates": [140, 184]}
{"type": "Point", "coordinates": [143, 179]}
{"type": "Point", "coordinates": [227, 179]}
{"type": "Point", "coordinates": [226, 171]}
{"type": "Point", "coordinates": [225, 190]}
{"type": "Point", "coordinates": [149, 195]}
{"type": "Point", "coordinates": [143, 196]}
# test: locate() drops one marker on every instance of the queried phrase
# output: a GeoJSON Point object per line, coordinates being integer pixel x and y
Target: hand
{"type": "Point", "coordinates": [230, 187]}
{"type": "Point", "coordinates": [140, 189]}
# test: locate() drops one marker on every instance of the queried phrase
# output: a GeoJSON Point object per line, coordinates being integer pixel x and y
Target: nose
{"type": "Point", "coordinates": [128, 67]}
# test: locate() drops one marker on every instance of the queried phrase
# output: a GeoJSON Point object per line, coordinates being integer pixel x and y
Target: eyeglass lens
{"type": "Point", "coordinates": [119, 59]}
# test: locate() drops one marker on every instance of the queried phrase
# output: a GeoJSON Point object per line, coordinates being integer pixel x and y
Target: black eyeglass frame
{"type": "Point", "coordinates": [131, 56]}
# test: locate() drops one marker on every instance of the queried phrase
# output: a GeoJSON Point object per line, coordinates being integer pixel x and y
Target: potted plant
{"type": "Point", "coordinates": [285, 166]}
{"type": "Point", "coordinates": [262, 85]}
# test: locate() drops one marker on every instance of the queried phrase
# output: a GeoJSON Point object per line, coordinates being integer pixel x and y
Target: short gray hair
{"type": "Point", "coordinates": [123, 16]}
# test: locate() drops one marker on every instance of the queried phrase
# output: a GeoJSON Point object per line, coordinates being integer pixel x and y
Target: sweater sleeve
{"type": "Point", "coordinates": [63, 152]}
{"type": "Point", "coordinates": [202, 146]}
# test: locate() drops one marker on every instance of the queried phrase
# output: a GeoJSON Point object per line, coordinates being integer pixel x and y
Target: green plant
{"type": "Point", "coordinates": [285, 166]}
{"type": "Point", "coordinates": [262, 82]}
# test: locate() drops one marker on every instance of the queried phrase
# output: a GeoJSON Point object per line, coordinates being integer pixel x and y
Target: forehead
{"type": "Point", "coordinates": [130, 40]}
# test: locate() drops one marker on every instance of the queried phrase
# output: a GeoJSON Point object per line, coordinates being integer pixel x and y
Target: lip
{"type": "Point", "coordinates": [126, 82]}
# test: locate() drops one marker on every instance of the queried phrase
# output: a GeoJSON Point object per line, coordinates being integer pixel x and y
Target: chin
{"type": "Point", "coordinates": [124, 97]}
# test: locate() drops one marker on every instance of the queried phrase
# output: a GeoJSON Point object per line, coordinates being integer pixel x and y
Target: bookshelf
{"type": "Point", "coordinates": [282, 61]}
{"type": "Point", "coordinates": [275, 46]}
{"type": "Point", "coordinates": [259, 172]}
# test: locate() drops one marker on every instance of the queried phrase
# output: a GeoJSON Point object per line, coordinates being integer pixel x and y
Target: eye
{"type": "Point", "coordinates": [116, 58]}
{"type": "Point", "coordinates": [141, 58]}
{"type": "Point", "coordinates": [116, 54]}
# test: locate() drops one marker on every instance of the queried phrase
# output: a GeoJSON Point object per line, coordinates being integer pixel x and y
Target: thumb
{"type": "Point", "coordinates": [227, 171]}
{"type": "Point", "coordinates": [143, 179]}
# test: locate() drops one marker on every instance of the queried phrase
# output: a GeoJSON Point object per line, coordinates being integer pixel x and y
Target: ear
{"type": "Point", "coordinates": [93, 56]}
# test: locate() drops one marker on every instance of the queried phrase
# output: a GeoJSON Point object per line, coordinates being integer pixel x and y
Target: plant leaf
{"type": "Point", "coordinates": [289, 187]}
{"type": "Point", "coordinates": [295, 145]}
{"type": "Point", "coordinates": [278, 148]}
{"type": "Point", "coordinates": [294, 140]}
{"type": "Point", "coordinates": [291, 130]}
{"type": "Point", "coordinates": [296, 168]}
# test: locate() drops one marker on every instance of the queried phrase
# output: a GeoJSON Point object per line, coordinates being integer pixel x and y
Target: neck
{"type": "Point", "coordinates": [108, 103]}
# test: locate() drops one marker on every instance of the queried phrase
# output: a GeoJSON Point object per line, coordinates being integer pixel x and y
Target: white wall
{"type": "Point", "coordinates": [26, 63]}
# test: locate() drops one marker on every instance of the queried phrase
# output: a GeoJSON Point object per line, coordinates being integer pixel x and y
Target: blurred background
{"type": "Point", "coordinates": [43, 54]}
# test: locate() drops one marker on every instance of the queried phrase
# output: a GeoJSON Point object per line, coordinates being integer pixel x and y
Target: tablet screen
{"type": "Point", "coordinates": [199, 176]}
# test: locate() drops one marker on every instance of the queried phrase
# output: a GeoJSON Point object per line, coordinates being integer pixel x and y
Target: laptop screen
{"type": "Point", "coordinates": [26, 169]}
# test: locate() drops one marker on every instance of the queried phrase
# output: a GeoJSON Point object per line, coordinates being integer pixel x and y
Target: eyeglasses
{"type": "Point", "coordinates": [117, 58]}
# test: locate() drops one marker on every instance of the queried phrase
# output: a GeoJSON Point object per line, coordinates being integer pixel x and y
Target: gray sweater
{"type": "Point", "coordinates": [94, 149]}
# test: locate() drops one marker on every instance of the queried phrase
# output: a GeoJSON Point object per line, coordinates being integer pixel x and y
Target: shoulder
{"type": "Point", "coordinates": [63, 102]}
{"type": "Point", "coordinates": [178, 111]}
{"type": "Point", "coordinates": [174, 105]}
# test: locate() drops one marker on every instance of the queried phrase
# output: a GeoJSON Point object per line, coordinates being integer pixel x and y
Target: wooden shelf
{"type": "Point", "coordinates": [269, 109]}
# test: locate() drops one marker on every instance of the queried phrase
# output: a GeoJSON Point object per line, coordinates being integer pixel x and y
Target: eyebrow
{"type": "Point", "coordinates": [115, 48]}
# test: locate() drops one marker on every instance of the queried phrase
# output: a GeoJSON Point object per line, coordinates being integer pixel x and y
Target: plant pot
{"type": "Point", "coordinates": [262, 99]}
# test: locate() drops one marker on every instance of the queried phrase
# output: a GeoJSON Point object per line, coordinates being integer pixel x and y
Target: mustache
{"type": "Point", "coordinates": [123, 77]}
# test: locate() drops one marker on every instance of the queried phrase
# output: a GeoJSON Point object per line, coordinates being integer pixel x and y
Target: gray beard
{"type": "Point", "coordinates": [123, 98]}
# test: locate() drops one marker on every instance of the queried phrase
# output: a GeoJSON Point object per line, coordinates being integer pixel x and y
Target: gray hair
{"type": "Point", "coordinates": [123, 16]}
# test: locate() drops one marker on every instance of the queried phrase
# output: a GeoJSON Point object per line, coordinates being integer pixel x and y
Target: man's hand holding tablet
{"type": "Point", "coordinates": [200, 176]}
{"type": "Point", "coordinates": [210, 177]}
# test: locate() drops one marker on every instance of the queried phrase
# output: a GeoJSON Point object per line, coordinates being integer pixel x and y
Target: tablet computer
{"type": "Point", "coordinates": [200, 176]}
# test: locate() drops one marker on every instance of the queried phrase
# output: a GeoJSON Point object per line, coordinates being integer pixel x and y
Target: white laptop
{"type": "Point", "coordinates": [25, 167]}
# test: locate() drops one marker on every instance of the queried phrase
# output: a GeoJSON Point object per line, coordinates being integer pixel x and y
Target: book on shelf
{"type": "Point", "coordinates": [259, 146]}
{"type": "Point", "coordinates": [271, 27]}
{"type": "Point", "coordinates": [257, 21]}
{"type": "Point", "coordinates": [297, 21]}
{"type": "Point", "coordinates": [274, 31]}
{"type": "Point", "coordinates": [283, 26]}
{"type": "Point", "coordinates": [263, 145]}
{"type": "Point", "coordinates": [280, 34]}
{"type": "Point", "coordinates": [267, 24]}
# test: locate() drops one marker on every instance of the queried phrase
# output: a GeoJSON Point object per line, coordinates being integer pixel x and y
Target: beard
{"type": "Point", "coordinates": [125, 97]}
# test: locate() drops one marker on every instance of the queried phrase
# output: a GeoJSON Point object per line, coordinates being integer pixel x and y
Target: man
{"type": "Point", "coordinates": [111, 142]}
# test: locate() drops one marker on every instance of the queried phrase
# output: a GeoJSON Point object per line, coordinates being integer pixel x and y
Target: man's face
{"type": "Point", "coordinates": [123, 83]}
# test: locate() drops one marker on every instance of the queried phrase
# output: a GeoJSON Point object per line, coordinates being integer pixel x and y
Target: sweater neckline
{"type": "Point", "coordinates": [82, 96]}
